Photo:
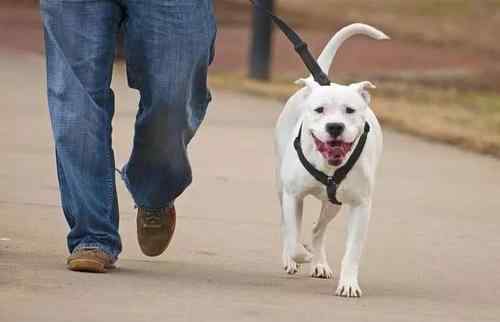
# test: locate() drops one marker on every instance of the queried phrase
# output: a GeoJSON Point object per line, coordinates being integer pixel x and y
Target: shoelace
{"type": "Point", "coordinates": [152, 218]}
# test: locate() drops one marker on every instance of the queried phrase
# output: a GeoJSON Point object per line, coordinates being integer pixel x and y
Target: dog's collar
{"type": "Point", "coordinates": [332, 182]}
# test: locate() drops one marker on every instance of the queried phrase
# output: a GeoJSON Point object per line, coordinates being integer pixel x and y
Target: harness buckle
{"type": "Point", "coordinates": [331, 191]}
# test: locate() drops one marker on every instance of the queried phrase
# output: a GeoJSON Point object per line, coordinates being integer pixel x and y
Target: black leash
{"type": "Point", "coordinates": [339, 175]}
{"type": "Point", "coordinates": [300, 47]}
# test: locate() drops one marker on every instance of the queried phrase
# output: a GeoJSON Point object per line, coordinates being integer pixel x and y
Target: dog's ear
{"type": "Point", "coordinates": [362, 88]}
{"type": "Point", "coordinates": [308, 82]}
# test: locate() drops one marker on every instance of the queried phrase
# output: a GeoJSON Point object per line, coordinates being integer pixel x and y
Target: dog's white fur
{"type": "Point", "coordinates": [294, 182]}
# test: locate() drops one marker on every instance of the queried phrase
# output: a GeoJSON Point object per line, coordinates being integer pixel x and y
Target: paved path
{"type": "Point", "coordinates": [433, 252]}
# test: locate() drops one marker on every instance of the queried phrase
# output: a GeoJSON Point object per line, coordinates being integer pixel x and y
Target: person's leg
{"type": "Point", "coordinates": [169, 45]}
{"type": "Point", "coordinates": [80, 45]}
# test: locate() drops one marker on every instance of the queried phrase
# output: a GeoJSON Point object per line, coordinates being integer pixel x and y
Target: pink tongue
{"type": "Point", "coordinates": [329, 152]}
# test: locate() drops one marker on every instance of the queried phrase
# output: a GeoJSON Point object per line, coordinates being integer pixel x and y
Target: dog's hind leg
{"type": "Point", "coordinates": [357, 229]}
{"type": "Point", "coordinates": [291, 221]}
{"type": "Point", "coordinates": [320, 267]}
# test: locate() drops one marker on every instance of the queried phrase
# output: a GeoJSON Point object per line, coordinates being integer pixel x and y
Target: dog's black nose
{"type": "Point", "coordinates": [335, 129]}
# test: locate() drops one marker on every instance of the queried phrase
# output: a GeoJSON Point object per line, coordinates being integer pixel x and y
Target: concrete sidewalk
{"type": "Point", "coordinates": [433, 253]}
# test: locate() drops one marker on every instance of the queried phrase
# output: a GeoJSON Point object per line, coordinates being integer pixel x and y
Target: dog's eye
{"type": "Point", "coordinates": [349, 110]}
{"type": "Point", "coordinates": [319, 110]}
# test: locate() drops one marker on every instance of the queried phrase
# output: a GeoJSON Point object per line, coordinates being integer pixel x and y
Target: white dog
{"type": "Point", "coordinates": [331, 120]}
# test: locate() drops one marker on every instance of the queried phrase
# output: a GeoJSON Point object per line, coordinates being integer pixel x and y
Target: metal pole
{"type": "Point", "coordinates": [260, 47]}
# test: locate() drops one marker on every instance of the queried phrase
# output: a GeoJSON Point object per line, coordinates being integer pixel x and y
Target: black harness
{"type": "Point", "coordinates": [321, 78]}
{"type": "Point", "coordinates": [332, 182]}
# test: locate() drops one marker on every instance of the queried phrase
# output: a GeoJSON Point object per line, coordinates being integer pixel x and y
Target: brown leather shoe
{"type": "Point", "coordinates": [155, 228]}
{"type": "Point", "coordinates": [90, 260]}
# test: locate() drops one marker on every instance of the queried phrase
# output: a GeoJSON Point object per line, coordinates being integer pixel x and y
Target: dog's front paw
{"type": "Point", "coordinates": [301, 254]}
{"type": "Point", "coordinates": [289, 265]}
{"type": "Point", "coordinates": [348, 288]}
{"type": "Point", "coordinates": [320, 270]}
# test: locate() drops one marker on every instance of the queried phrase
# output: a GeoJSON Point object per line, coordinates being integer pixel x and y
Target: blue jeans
{"type": "Point", "coordinates": [168, 47]}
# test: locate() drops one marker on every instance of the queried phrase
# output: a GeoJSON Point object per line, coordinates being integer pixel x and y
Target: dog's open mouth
{"type": "Point", "coordinates": [333, 151]}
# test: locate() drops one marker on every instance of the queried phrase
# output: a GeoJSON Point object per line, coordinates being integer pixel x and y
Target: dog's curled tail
{"type": "Point", "coordinates": [328, 54]}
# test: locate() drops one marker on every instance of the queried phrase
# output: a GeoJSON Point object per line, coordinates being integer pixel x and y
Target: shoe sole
{"type": "Point", "coordinates": [86, 265]}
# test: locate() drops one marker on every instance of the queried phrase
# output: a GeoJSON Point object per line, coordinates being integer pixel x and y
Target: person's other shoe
{"type": "Point", "coordinates": [155, 228]}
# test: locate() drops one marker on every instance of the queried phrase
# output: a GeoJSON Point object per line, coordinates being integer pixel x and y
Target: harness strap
{"type": "Point", "coordinates": [300, 47]}
{"type": "Point", "coordinates": [332, 182]}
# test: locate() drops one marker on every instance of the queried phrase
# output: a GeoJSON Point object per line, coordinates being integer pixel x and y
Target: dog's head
{"type": "Point", "coordinates": [334, 116]}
